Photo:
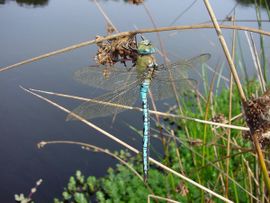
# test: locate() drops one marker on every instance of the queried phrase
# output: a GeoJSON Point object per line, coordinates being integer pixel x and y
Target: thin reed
{"type": "Point", "coordinates": [216, 153]}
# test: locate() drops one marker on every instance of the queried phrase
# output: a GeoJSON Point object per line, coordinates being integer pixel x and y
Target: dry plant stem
{"type": "Point", "coordinates": [105, 15]}
{"type": "Point", "coordinates": [160, 198]}
{"type": "Point", "coordinates": [97, 149]}
{"type": "Point", "coordinates": [139, 109]}
{"type": "Point", "coordinates": [256, 60]}
{"type": "Point", "coordinates": [229, 136]}
{"type": "Point", "coordinates": [122, 34]}
{"type": "Point", "coordinates": [249, 172]}
{"type": "Point", "coordinates": [219, 74]}
{"type": "Point", "coordinates": [225, 49]}
{"type": "Point", "coordinates": [241, 92]}
{"type": "Point", "coordinates": [262, 162]}
{"type": "Point", "coordinates": [241, 20]}
{"type": "Point", "coordinates": [216, 182]}
{"type": "Point", "coordinates": [230, 113]}
{"type": "Point", "coordinates": [251, 175]}
{"type": "Point", "coordinates": [219, 165]}
{"type": "Point", "coordinates": [126, 145]}
{"type": "Point", "coordinates": [178, 154]}
{"type": "Point", "coordinates": [94, 149]}
{"type": "Point", "coordinates": [261, 75]}
{"type": "Point", "coordinates": [213, 163]}
{"type": "Point", "coordinates": [207, 109]}
{"type": "Point", "coordinates": [208, 104]}
{"type": "Point", "coordinates": [257, 177]}
{"type": "Point", "coordinates": [183, 12]}
{"type": "Point", "coordinates": [250, 182]}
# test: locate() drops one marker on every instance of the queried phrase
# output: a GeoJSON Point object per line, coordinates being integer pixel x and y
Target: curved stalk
{"type": "Point", "coordinates": [122, 34]}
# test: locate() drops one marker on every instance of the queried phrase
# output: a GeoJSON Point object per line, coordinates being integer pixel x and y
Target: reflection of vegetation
{"type": "Point", "coordinates": [45, 2]}
{"type": "Point", "coordinates": [248, 2]}
{"type": "Point", "coordinates": [137, 2]}
{"type": "Point", "coordinates": [33, 3]}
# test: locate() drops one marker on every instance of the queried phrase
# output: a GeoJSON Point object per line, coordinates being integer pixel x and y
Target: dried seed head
{"type": "Point", "coordinates": [257, 115]}
{"type": "Point", "coordinates": [110, 29]}
{"type": "Point", "coordinates": [182, 189]}
{"type": "Point", "coordinates": [195, 142]}
{"type": "Point", "coordinates": [219, 118]}
{"type": "Point", "coordinates": [116, 50]}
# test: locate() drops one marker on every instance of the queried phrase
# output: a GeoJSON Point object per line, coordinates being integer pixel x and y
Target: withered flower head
{"type": "Point", "coordinates": [110, 29]}
{"type": "Point", "coordinates": [120, 49]}
{"type": "Point", "coordinates": [219, 118]}
{"type": "Point", "coordinates": [257, 115]}
{"type": "Point", "coordinates": [182, 189]}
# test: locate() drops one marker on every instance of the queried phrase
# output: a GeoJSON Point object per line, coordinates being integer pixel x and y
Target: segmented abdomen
{"type": "Point", "coordinates": [146, 123]}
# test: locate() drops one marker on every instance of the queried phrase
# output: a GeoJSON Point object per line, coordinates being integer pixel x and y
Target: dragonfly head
{"type": "Point", "coordinates": [145, 47]}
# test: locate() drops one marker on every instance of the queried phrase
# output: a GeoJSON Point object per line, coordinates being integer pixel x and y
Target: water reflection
{"type": "Point", "coordinates": [136, 2]}
{"type": "Point", "coordinates": [33, 3]}
{"type": "Point", "coordinates": [242, 2]}
{"type": "Point", "coordinates": [41, 3]}
{"type": "Point", "coordinates": [249, 2]}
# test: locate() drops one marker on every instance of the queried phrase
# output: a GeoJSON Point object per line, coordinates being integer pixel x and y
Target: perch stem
{"type": "Point", "coordinates": [128, 146]}
{"type": "Point", "coordinates": [122, 34]}
{"type": "Point", "coordinates": [240, 89]}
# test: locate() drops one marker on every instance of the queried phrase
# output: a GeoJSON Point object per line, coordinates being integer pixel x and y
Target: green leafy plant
{"type": "Point", "coordinates": [184, 155]}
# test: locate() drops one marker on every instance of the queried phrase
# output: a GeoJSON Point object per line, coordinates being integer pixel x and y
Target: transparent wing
{"type": "Point", "coordinates": [126, 85]}
{"type": "Point", "coordinates": [173, 78]}
{"type": "Point", "coordinates": [164, 89]}
{"type": "Point", "coordinates": [179, 69]}
{"type": "Point", "coordinates": [108, 78]}
{"type": "Point", "coordinates": [108, 104]}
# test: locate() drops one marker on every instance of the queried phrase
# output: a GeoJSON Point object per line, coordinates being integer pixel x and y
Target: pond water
{"type": "Point", "coordinates": [31, 28]}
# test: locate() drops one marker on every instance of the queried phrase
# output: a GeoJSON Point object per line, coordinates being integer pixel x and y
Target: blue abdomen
{"type": "Point", "coordinates": [146, 126]}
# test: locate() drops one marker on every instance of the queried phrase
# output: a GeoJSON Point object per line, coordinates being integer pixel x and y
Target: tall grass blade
{"type": "Point", "coordinates": [262, 51]}
{"type": "Point", "coordinates": [127, 146]}
{"type": "Point", "coordinates": [256, 61]}
{"type": "Point", "coordinates": [241, 59]}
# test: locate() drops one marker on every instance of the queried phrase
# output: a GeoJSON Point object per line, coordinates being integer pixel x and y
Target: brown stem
{"type": "Point", "coordinates": [241, 92]}
{"type": "Point", "coordinates": [122, 34]}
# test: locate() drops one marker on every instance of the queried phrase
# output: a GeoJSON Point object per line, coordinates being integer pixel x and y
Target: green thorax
{"type": "Point", "coordinates": [143, 62]}
{"type": "Point", "coordinates": [145, 58]}
{"type": "Point", "coordinates": [145, 47]}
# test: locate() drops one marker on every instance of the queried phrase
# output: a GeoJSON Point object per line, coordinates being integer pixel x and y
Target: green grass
{"type": "Point", "coordinates": [199, 152]}
{"type": "Point", "coordinates": [121, 185]}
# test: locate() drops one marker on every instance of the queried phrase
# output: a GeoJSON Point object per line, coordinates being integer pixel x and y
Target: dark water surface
{"type": "Point", "coordinates": [31, 28]}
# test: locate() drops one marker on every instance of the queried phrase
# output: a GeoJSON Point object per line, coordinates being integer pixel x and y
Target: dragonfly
{"type": "Point", "coordinates": [124, 87]}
